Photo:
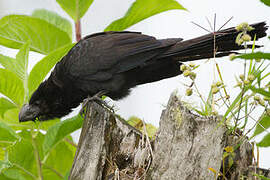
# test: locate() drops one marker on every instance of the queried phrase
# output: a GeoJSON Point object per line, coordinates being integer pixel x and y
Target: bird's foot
{"type": "Point", "coordinates": [97, 98]}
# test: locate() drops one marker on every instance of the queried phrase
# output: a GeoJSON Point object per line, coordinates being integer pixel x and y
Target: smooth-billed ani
{"type": "Point", "coordinates": [115, 62]}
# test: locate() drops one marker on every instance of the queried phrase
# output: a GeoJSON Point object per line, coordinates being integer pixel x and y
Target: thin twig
{"type": "Point", "coordinates": [225, 23]}
{"type": "Point", "coordinates": [200, 26]}
{"type": "Point", "coordinates": [78, 30]}
{"type": "Point", "coordinates": [70, 142]}
{"type": "Point", "coordinates": [209, 24]}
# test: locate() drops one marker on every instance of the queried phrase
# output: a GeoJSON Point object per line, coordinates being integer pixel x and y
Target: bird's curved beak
{"type": "Point", "coordinates": [28, 113]}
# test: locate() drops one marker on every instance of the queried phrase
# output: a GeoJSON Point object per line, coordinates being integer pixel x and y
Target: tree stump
{"type": "Point", "coordinates": [186, 146]}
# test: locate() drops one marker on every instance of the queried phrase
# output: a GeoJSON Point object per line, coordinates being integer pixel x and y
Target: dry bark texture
{"type": "Point", "coordinates": [104, 142]}
{"type": "Point", "coordinates": [185, 147]}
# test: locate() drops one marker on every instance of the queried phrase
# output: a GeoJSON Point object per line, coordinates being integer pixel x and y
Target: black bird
{"type": "Point", "coordinates": [114, 62]}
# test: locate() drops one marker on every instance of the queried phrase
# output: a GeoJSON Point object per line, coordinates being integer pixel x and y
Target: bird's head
{"type": "Point", "coordinates": [46, 103]}
{"type": "Point", "coordinates": [37, 109]}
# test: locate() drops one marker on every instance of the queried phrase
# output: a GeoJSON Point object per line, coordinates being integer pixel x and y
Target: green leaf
{"type": "Point", "coordinates": [138, 124]}
{"type": "Point", "coordinates": [14, 173]}
{"type": "Point", "coordinates": [60, 130]}
{"type": "Point", "coordinates": [5, 105]}
{"type": "Point", "coordinates": [261, 177]}
{"type": "Point", "coordinates": [234, 104]}
{"type": "Point", "coordinates": [7, 134]}
{"type": "Point", "coordinates": [260, 91]}
{"type": "Point", "coordinates": [142, 9]}
{"type": "Point", "coordinates": [265, 142]}
{"type": "Point", "coordinates": [12, 120]}
{"type": "Point", "coordinates": [75, 8]}
{"type": "Point", "coordinates": [264, 123]}
{"type": "Point", "coordinates": [21, 153]}
{"type": "Point", "coordinates": [44, 37]}
{"type": "Point", "coordinates": [11, 86]}
{"type": "Point", "coordinates": [55, 19]}
{"type": "Point", "coordinates": [43, 67]}
{"type": "Point", "coordinates": [8, 62]}
{"type": "Point", "coordinates": [257, 55]}
{"type": "Point", "coordinates": [21, 65]}
{"type": "Point", "coordinates": [266, 2]}
{"type": "Point", "coordinates": [62, 151]}
{"type": "Point", "coordinates": [4, 165]}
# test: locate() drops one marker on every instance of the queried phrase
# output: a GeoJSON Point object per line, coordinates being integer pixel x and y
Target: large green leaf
{"type": "Point", "coordinates": [8, 62]}
{"type": "Point", "coordinates": [7, 134]}
{"type": "Point", "coordinates": [75, 8]}
{"type": "Point", "coordinates": [142, 9]}
{"type": "Point", "coordinates": [44, 37]}
{"type": "Point", "coordinates": [60, 159]}
{"type": "Point", "coordinates": [21, 65]}
{"type": "Point", "coordinates": [266, 2]}
{"type": "Point", "coordinates": [257, 55]}
{"type": "Point", "coordinates": [15, 174]}
{"type": "Point", "coordinates": [43, 67]}
{"type": "Point", "coordinates": [265, 142]}
{"type": "Point", "coordinates": [21, 154]}
{"type": "Point", "coordinates": [264, 123]}
{"type": "Point", "coordinates": [5, 105]}
{"type": "Point", "coordinates": [55, 19]}
{"type": "Point", "coordinates": [11, 86]}
{"type": "Point", "coordinates": [60, 130]}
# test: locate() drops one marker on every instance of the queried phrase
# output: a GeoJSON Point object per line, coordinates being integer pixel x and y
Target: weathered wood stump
{"type": "Point", "coordinates": [185, 147]}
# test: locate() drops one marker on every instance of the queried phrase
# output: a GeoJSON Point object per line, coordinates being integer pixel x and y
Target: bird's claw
{"type": "Point", "coordinates": [98, 100]}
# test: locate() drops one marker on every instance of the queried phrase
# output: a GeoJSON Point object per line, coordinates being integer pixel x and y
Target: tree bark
{"type": "Point", "coordinates": [186, 146]}
{"type": "Point", "coordinates": [105, 142]}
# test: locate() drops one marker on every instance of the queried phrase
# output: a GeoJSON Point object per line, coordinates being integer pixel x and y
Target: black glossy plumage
{"type": "Point", "coordinates": [118, 61]}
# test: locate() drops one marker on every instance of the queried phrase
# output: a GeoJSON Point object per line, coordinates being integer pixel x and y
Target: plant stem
{"type": "Point", "coordinates": [37, 157]}
{"type": "Point", "coordinates": [71, 143]}
{"type": "Point", "coordinates": [78, 30]}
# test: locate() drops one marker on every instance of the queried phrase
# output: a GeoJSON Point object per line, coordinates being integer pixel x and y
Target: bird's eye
{"type": "Point", "coordinates": [37, 103]}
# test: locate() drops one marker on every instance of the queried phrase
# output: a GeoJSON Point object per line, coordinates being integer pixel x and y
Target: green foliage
{"type": "Point", "coordinates": [257, 55]}
{"type": "Point", "coordinates": [75, 8]}
{"type": "Point", "coordinates": [264, 123]}
{"type": "Point", "coordinates": [60, 130]}
{"type": "Point", "coordinates": [265, 142]}
{"type": "Point", "coordinates": [142, 9]}
{"type": "Point", "coordinates": [53, 18]}
{"type": "Point", "coordinates": [5, 105]}
{"type": "Point", "coordinates": [44, 37]}
{"type": "Point", "coordinates": [266, 2]}
{"type": "Point", "coordinates": [11, 86]}
{"type": "Point", "coordinates": [7, 134]}
{"type": "Point", "coordinates": [139, 124]}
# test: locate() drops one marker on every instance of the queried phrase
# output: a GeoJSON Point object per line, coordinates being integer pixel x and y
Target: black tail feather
{"type": "Point", "coordinates": [203, 47]}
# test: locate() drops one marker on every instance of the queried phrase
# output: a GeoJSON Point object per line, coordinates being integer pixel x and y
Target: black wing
{"type": "Point", "coordinates": [99, 56]}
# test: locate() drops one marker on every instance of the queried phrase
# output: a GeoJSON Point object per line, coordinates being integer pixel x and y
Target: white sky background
{"type": "Point", "coordinates": [147, 101]}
